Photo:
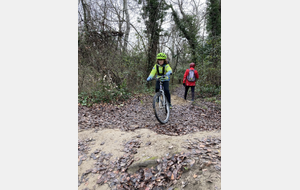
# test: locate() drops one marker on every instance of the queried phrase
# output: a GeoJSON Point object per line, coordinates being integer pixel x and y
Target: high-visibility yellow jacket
{"type": "Point", "coordinates": [154, 71]}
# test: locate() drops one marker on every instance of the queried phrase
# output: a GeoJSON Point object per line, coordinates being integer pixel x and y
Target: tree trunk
{"type": "Point", "coordinates": [85, 15]}
{"type": "Point", "coordinates": [127, 25]}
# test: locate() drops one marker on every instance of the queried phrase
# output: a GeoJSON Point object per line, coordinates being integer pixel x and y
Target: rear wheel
{"type": "Point", "coordinates": [161, 108]}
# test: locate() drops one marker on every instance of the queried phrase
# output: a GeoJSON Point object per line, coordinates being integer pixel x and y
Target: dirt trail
{"type": "Point", "coordinates": [205, 173]}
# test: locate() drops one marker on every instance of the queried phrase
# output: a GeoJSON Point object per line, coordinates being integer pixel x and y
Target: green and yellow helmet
{"type": "Point", "coordinates": [161, 56]}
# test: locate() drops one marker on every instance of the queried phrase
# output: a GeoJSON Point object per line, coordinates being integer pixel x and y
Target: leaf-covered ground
{"type": "Point", "coordinates": [137, 113]}
{"type": "Point", "coordinates": [123, 146]}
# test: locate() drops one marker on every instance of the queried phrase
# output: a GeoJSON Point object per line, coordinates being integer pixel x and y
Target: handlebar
{"type": "Point", "coordinates": [162, 76]}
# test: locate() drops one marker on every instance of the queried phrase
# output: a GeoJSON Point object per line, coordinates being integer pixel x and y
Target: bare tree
{"type": "Point", "coordinates": [127, 24]}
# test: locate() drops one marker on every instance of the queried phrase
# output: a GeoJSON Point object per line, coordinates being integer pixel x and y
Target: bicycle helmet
{"type": "Point", "coordinates": [192, 65]}
{"type": "Point", "coordinates": [161, 56]}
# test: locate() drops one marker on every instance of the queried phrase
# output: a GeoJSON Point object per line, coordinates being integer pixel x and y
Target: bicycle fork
{"type": "Point", "coordinates": [163, 100]}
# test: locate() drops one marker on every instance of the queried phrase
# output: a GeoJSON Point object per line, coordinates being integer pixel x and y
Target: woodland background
{"type": "Point", "coordinates": [118, 41]}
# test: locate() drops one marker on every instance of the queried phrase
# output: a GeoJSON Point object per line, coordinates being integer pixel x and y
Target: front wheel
{"type": "Point", "coordinates": [161, 108]}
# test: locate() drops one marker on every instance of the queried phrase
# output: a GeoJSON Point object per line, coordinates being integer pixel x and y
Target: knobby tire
{"type": "Point", "coordinates": [167, 109]}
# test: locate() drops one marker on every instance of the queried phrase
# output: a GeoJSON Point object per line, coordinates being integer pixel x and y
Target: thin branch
{"type": "Point", "coordinates": [139, 35]}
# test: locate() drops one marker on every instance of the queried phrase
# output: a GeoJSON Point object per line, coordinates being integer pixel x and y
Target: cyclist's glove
{"type": "Point", "coordinates": [149, 78]}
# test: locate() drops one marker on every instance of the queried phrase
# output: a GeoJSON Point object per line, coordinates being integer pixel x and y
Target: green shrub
{"type": "Point", "coordinates": [208, 90]}
{"type": "Point", "coordinates": [213, 99]}
{"type": "Point", "coordinates": [106, 94]}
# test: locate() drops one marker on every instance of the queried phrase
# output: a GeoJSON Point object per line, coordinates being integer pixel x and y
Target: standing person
{"type": "Point", "coordinates": [162, 68]}
{"type": "Point", "coordinates": [189, 80]}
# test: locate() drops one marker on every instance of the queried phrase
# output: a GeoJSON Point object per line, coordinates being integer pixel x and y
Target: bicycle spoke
{"type": "Point", "coordinates": [161, 108]}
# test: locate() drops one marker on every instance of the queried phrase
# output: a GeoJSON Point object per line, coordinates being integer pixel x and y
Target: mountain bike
{"type": "Point", "coordinates": [161, 105]}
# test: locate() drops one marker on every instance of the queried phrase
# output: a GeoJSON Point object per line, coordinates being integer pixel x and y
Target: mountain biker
{"type": "Point", "coordinates": [163, 69]}
{"type": "Point", "coordinates": [187, 84]}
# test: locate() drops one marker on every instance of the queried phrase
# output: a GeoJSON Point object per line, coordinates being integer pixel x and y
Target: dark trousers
{"type": "Point", "coordinates": [166, 89]}
{"type": "Point", "coordinates": [186, 91]}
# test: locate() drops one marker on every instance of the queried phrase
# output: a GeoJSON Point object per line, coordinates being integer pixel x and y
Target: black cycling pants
{"type": "Point", "coordinates": [166, 89]}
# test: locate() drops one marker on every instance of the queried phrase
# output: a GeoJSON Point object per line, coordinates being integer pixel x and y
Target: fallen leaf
{"type": "Point", "coordinates": [172, 177]}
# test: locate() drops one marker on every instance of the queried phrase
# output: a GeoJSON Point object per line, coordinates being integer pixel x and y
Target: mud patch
{"type": "Point", "coordinates": [179, 101]}
{"type": "Point", "coordinates": [152, 146]}
{"type": "Point", "coordinates": [200, 178]}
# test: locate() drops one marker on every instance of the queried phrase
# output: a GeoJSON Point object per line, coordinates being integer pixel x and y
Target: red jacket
{"type": "Point", "coordinates": [188, 83]}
